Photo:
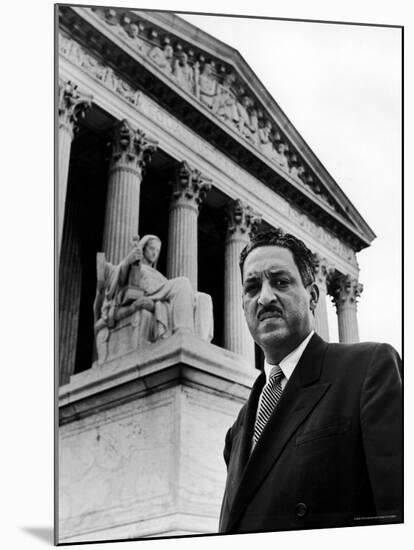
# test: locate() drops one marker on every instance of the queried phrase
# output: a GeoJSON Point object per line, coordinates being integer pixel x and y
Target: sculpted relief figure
{"type": "Point", "coordinates": [280, 156]}
{"type": "Point", "coordinates": [183, 72]}
{"type": "Point", "coordinates": [297, 172]}
{"type": "Point", "coordinates": [206, 85]}
{"type": "Point", "coordinates": [109, 78]}
{"type": "Point", "coordinates": [248, 123]}
{"type": "Point", "coordinates": [264, 139]}
{"type": "Point", "coordinates": [254, 127]}
{"type": "Point", "coordinates": [76, 53]}
{"type": "Point", "coordinates": [110, 17]}
{"type": "Point", "coordinates": [243, 117]}
{"type": "Point", "coordinates": [225, 102]}
{"type": "Point", "coordinates": [135, 285]}
{"type": "Point", "coordinates": [162, 58]}
{"type": "Point", "coordinates": [131, 33]}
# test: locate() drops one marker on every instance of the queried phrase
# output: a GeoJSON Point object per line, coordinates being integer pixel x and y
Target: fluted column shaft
{"type": "Point", "coordinates": [345, 291]}
{"type": "Point", "coordinates": [189, 190]}
{"type": "Point", "coordinates": [131, 150]}
{"type": "Point", "coordinates": [347, 324]}
{"type": "Point", "coordinates": [65, 137]}
{"type": "Point", "coordinates": [183, 242]}
{"type": "Point", "coordinates": [321, 315]}
{"type": "Point", "coordinates": [237, 337]}
{"type": "Point", "coordinates": [72, 106]}
{"type": "Point", "coordinates": [122, 211]}
{"type": "Point", "coordinates": [70, 279]}
{"type": "Point", "coordinates": [322, 272]}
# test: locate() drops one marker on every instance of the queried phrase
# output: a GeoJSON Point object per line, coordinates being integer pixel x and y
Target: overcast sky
{"type": "Point", "coordinates": [340, 85]}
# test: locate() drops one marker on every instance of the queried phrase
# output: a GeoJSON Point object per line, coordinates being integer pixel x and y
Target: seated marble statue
{"type": "Point", "coordinates": [136, 284]}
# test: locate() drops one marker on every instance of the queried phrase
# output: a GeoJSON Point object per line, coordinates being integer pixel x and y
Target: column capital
{"type": "Point", "coordinates": [345, 291]}
{"type": "Point", "coordinates": [323, 270]}
{"type": "Point", "coordinates": [189, 186]}
{"type": "Point", "coordinates": [131, 149]}
{"type": "Point", "coordinates": [241, 219]}
{"type": "Point", "coordinates": [72, 105]}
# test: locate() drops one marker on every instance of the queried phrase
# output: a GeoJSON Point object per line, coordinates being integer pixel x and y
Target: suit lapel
{"type": "Point", "coordinates": [298, 399]}
{"type": "Point", "coordinates": [241, 443]}
{"type": "Point", "coordinates": [250, 418]}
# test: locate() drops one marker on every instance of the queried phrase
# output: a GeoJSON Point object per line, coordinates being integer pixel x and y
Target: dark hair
{"type": "Point", "coordinates": [302, 256]}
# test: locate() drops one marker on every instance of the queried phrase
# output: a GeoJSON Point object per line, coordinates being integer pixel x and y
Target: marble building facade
{"type": "Point", "coordinates": [164, 130]}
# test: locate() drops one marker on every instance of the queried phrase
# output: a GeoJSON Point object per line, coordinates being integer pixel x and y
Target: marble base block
{"type": "Point", "coordinates": [141, 441]}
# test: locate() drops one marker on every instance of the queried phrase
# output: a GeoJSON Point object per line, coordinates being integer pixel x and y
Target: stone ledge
{"type": "Point", "coordinates": [168, 525]}
{"type": "Point", "coordinates": [182, 358]}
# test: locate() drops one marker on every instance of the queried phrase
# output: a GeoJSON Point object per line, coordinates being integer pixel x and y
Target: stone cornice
{"type": "Point", "coordinates": [138, 73]}
{"type": "Point", "coordinates": [182, 358]}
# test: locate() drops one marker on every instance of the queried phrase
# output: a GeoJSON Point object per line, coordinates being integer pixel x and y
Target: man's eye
{"type": "Point", "coordinates": [251, 288]}
{"type": "Point", "coordinates": [280, 283]}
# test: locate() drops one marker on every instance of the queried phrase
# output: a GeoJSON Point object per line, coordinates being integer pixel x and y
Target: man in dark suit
{"type": "Point", "coordinates": [319, 441]}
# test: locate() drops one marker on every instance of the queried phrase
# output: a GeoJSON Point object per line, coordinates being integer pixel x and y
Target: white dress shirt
{"type": "Point", "coordinates": [287, 365]}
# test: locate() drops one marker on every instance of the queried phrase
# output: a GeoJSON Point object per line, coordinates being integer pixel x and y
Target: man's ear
{"type": "Point", "coordinates": [314, 296]}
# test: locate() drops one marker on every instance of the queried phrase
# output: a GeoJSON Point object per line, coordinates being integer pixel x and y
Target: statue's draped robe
{"type": "Point", "coordinates": [173, 299]}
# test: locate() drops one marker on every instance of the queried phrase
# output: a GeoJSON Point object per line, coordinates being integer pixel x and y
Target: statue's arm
{"type": "Point", "coordinates": [124, 268]}
{"type": "Point", "coordinates": [133, 258]}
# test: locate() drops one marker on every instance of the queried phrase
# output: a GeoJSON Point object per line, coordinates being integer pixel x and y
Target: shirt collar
{"type": "Point", "coordinates": [288, 363]}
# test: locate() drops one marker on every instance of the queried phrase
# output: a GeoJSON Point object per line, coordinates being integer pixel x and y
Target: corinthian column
{"type": "Point", "coordinates": [72, 106]}
{"type": "Point", "coordinates": [189, 190]}
{"type": "Point", "coordinates": [345, 291]}
{"type": "Point", "coordinates": [70, 281]}
{"type": "Point", "coordinates": [130, 152]}
{"type": "Point", "coordinates": [322, 271]}
{"type": "Point", "coordinates": [241, 220]}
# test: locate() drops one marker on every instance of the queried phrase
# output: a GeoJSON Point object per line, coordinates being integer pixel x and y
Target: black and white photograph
{"type": "Point", "coordinates": [212, 374]}
{"type": "Point", "coordinates": [225, 278]}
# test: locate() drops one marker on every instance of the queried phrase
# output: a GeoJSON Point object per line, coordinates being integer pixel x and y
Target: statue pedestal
{"type": "Point", "coordinates": [141, 440]}
{"type": "Point", "coordinates": [130, 333]}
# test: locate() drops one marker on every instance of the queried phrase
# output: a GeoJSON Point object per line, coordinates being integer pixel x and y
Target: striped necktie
{"type": "Point", "coordinates": [270, 396]}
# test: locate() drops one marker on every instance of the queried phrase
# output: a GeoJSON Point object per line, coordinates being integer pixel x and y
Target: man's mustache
{"type": "Point", "coordinates": [270, 309]}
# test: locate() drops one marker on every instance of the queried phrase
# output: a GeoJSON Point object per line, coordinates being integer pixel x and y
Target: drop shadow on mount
{"type": "Point", "coordinates": [43, 533]}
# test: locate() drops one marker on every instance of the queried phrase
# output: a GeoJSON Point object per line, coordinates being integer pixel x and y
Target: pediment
{"type": "Point", "coordinates": [210, 86]}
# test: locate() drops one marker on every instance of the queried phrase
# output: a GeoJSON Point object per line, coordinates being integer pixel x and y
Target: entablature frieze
{"type": "Point", "coordinates": [207, 95]}
{"type": "Point", "coordinates": [180, 142]}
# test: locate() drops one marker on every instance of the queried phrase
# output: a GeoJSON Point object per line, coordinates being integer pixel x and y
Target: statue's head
{"type": "Point", "coordinates": [151, 246]}
{"type": "Point", "coordinates": [168, 51]}
{"type": "Point", "coordinates": [132, 30]}
{"type": "Point", "coordinates": [207, 69]}
{"type": "Point", "coordinates": [245, 101]}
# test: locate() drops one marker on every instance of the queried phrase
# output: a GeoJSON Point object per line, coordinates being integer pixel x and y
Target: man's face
{"type": "Point", "coordinates": [277, 306]}
{"type": "Point", "coordinates": [152, 251]}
